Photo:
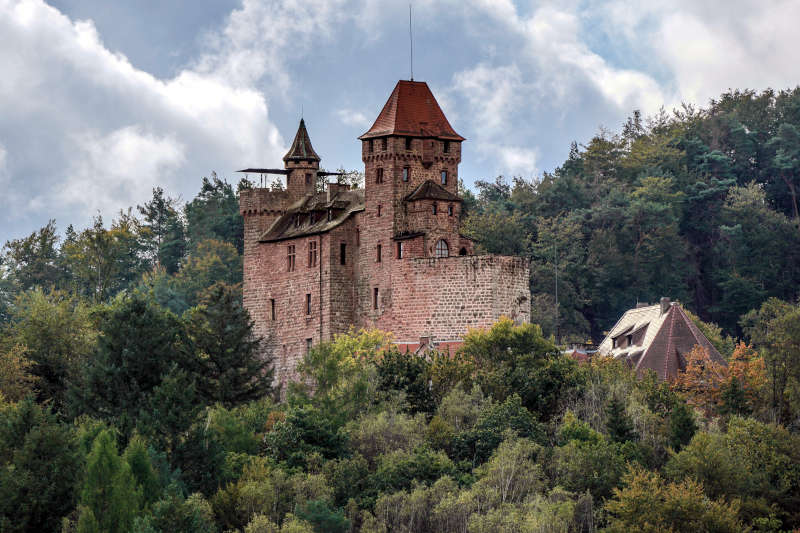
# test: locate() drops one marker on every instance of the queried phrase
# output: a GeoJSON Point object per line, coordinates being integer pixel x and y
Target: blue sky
{"type": "Point", "coordinates": [101, 101]}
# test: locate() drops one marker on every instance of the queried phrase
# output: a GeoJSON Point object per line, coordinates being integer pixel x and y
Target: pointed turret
{"type": "Point", "coordinates": [301, 149]}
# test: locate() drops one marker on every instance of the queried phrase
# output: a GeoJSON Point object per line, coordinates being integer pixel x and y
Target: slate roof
{"type": "Point", "coordinates": [430, 190]}
{"type": "Point", "coordinates": [342, 204]}
{"type": "Point", "coordinates": [301, 149]}
{"type": "Point", "coordinates": [668, 336]}
{"type": "Point", "coordinates": [412, 111]}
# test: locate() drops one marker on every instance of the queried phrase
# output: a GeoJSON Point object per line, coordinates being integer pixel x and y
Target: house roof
{"type": "Point", "coordinates": [412, 111]}
{"type": "Point", "coordinates": [669, 334]}
{"type": "Point", "coordinates": [301, 149]}
{"type": "Point", "coordinates": [430, 190]}
{"type": "Point", "coordinates": [342, 204]}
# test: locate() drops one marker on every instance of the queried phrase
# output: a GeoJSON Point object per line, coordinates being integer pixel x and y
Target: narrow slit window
{"type": "Point", "coordinates": [444, 177]}
{"type": "Point", "coordinates": [371, 145]}
{"type": "Point", "coordinates": [435, 208]}
{"type": "Point", "coordinates": [290, 255]}
{"type": "Point", "coordinates": [383, 143]}
{"type": "Point", "coordinates": [446, 147]}
{"type": "Point", "coordinates": [405, 173]}
{"type": "Point", "coordinates": [375, 298]}
{"type": "Point", "coordinates": [400, 250]}
{"type": "Point", "coordinates": [312, 254]}
{"type": "Point", "coordinates": [343, 253]}
{"type": "Point", "coordinates": [272, 307]}
{"type": "Point", "coordinates": [450, 210]}
{"type": "Point", "coordinates": [378, 254]}
{"type": "Point", "coordinates": [308, 303]}
{"type": "Point", "coordinates": [379, 176]}
{"type": "Point", "coordinates": [408, 143]}
{"type": "Point", "coordinates": [379, 210]}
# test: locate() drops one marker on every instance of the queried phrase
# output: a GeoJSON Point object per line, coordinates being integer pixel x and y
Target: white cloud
{"type": "Point", "coordinates": [352, 117]}
{"type": "Point", "coordinates": [517, 161]}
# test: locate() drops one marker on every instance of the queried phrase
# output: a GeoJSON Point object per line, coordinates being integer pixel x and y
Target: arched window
{"type": "Point", "coordinates": [441, 249]}
{"type": "Point", "coordinates": [462, 251]}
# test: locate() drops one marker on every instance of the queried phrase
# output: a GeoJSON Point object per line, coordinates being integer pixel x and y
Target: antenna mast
{"type": "Point", "coordinates": [411, 41]}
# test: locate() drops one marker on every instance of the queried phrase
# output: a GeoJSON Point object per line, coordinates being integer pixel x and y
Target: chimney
{"type": "Point", "coordinates": [665, 305]}
{"type": "Point", "coordinates": [334, 188]}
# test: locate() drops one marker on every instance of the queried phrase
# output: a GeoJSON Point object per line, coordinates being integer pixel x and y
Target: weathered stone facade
{"type": "Point", "coordinates": [388, 256]}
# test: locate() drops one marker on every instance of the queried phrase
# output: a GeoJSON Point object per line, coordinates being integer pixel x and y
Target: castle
{"type": "Point", "coordinates": [388, 256]}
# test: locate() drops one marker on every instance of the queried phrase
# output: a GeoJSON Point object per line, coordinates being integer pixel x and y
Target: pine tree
{"type": "Point", "coordinates": [109, 489]}
{"type": "Point", "coordinates": [682, 426]}
{"type": "Point", "coordinates": [733, 398]}
{"type": "Point", "coordinates": [618, 423]}
{"type": "Point", "coordinates": [231, 366]}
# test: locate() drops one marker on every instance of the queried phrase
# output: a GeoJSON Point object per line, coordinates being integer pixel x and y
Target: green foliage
{"type": "Point", "coordinates": [110, 496]}
{"type": "Point", "coordinates": [618, 423]}
{"type": "Point", "coordinates": [407, 373]}
{"type": "Point", "coordinates": [322, 517]}
{"type": "Point", "coordinates": [647, 504]}
{"type": "Point", "coordinates": [39, 466]}
{"type": "Point", "coordinates": [304, 431]}
{"type": "Point", "coordinates": [163, 230]}
{"type": "Point", "coordinates": [214, 214]}
{"type": "Point", "coordinates": [232, 368]}
{"type": "Point", "coordinates": [210, 262]}
{"type": "Point", "coordinates": [682, 425]}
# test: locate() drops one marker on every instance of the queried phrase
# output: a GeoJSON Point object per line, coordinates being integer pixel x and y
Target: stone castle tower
{"type": "Point", "coordinates": [317, 263]}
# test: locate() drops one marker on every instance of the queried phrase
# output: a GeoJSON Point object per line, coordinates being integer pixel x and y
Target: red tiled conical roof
{"type": "Point", "coordinates": [301, 149]}
{"type": "Point", "coordinates": [412, 111]}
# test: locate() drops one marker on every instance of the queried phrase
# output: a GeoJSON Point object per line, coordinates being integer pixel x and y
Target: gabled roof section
{"type": "Point", "coordinates": [430, 190]}
{"type": "Point", "coordinates": [668, 337]}
{"type": "Point", "coordinates": [301, 149]}
{"type": "Point", "coordinates": [342, 205]}
{"type": "Point", "coordinates": [412, 111]}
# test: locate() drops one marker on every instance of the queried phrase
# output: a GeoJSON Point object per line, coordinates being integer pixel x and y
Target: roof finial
{"type": "Point", "coordinates": [411, 41]}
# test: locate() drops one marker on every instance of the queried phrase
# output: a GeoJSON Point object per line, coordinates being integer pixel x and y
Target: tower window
{"type": "Point", "coordinates": [343, 253]}
{"type": "Point", "coordinates": [405, 173]}
{"type": "Point", "coordinates": [444, 177]}
{"type": "Point", "coordinates": [379, 210]}
{"type": "Point", "coordinates": [400, 250]}
{"type": "Point", "coordinates": [450, 210]}
{"type": "Point", "coordinates": [272, 307]}
{"type": "Point", "coordinates": [308, 303]}
{"type": "Point", "coordinates": [383, 143]}
{"type": "Point", "coordinates": [358, 237]}
{"type": "Point", "coordinates": [408, 143]}
{"type": "Point", "coordinates": [379, 176]}
{"type": "Point", "coordinates": [309, 343]}
{"type": "Point", "coordinates": [442, 250]}
{"type": "Point", "coordinates": [312, 254]}
{"type": "Point", "coordinates": [308, 179]}
{"type": "Point", "coordinates": [446, 147]}
{"type": "Point", "coordinates": [290, 258]}
{"type": "Point", "coordinates": [375, 298]}
{"type": "Point", "coordinates": [435, 208]}
{"type": "Point", "coordinates": [378, 254]}
{"type": "Point", "coordinates": [371, 146]}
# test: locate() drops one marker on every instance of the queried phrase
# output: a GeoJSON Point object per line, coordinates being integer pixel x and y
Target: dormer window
{"type": "Point", "coordinates": [444, 177]}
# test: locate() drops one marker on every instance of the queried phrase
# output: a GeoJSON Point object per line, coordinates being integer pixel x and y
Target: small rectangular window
{"type": "Point", "coordinates": [272, 307]}
{"type": "Point", "coordinates": [444, 177]}
{"type": "Point", "coordinates": [408, 143]}
{"type": "Point", "coordinates": [435, 208]}
{"type": "Point", "coordinates": [383, 143]}
{"type": "Point", "coordinates": [379, 176]}
{"type": "Point", "coordinates": [358, 237]}
{"type": "Point", "coordinates": [379, 210]}
{"type": "Point", "coordinates": [405, 173]}
{"type": "Point", "coordinates": [308, 179]}
{"type": "Point", "coordinates": [312, 254]}
{"type": "Point", "coordinates": [400, 250]}
{"type": "Point", "coordinates": [375, 298]}
{"type": "Point", "coordinates": [450, 210]}
{"type": "Point", "coordinates": [446, 147]}
{"type": "Point", "coordinates": [308, 304]}
{"type": "Point", "coordinates": [290, 258]}
{"type": "Point", "coordinates": [343, 253]}
{"type": "Point", "coordinates": [378, 254]}
{"type": "Point", "coordinates": [371, 146]}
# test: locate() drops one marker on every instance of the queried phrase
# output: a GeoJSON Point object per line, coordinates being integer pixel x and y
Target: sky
{"type": "Point", "coordinates": [101, 101]}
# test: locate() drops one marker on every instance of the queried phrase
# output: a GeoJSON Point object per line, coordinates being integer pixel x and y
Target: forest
{"type": "Point", "coordinates": [135, 398]}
